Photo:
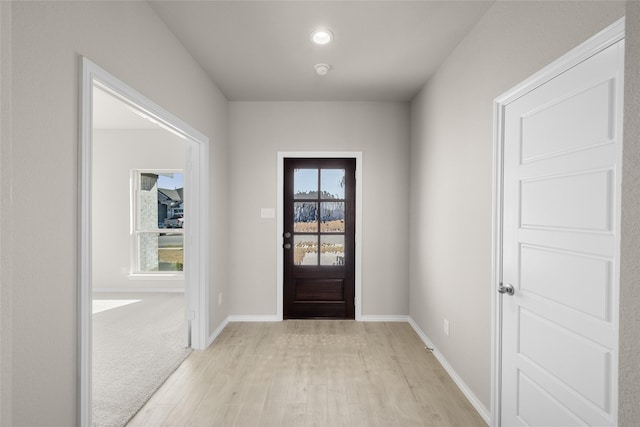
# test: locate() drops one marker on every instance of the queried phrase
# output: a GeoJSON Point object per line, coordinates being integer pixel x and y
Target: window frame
{"type": "Point", "coordinates": [135, 230]}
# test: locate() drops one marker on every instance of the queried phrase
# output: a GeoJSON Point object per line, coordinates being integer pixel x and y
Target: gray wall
{"type": "Point", "coordinates": [131, 42]}
{"type": "Point", "coordinates": [451, 169]}
{"type": "Point", "coordinates": [115, 154]}
{"type": "Point", "coordinates": [5, 226]}
{"type": "Point", "coordinates": [257, 131]}
{"type": "Point", "coordinates": [629, 369]}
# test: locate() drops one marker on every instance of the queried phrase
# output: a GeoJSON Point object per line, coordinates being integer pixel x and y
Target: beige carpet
{"type": "Point", "coordinates": [139, 339]}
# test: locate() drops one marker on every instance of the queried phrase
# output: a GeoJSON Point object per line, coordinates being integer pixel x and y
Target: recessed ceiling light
{"type": "Point", "coordinates": [322, 37]}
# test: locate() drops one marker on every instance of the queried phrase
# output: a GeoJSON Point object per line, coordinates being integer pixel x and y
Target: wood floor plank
{"type": "Point", "coordinates": [311, 373]}
{"type": "Point", "coordinates": [279, 389]}
{"type": "Point", "coordinates": [252, 406]}
{"type": "Point", "coordinates": [151, 415]}
{"type": "Point", "coordinates": [184, 409]}
{"type": "Point", "coordinates": [360, 415]}
{"type": "Point", "coordinates": [316, 412]}
{"type": "Point", "coordinates": [272, 414]}
{"type": "Point", "coordinates": [293, 414]}
{"type": "Point", "coordinates": [337, 406]}
{"type": "Point", "coordinates": [219, 415]}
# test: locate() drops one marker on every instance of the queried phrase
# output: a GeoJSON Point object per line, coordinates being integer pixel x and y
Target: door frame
{"type": "Point", "coordinates": [602, 40]}
{"type": "Point", "coordinates": [196, 241]}
{"type": "Point", "coordinates": [357, 155]}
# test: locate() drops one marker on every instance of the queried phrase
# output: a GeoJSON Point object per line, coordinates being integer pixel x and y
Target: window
{"type": "Point", "coordinates": [157, 220]}
{"type": "Point", "coordinates": [318, 219]}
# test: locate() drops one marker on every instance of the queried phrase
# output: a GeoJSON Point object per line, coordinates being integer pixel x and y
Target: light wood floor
{"type": "Point", "coordinates": [321, 373]}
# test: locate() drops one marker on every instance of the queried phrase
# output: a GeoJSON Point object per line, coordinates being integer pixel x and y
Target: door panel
{"type": "Point", "coordinates": [560, 202]}
{"type": "Point", "coordinates": [562, 150]}
{"type": "Point", "coordinates": [541, 409]}
{"type": "Point", "coordinates": [319, 238]}
{"type": "Point", "coordinates": [558, 276]}
{"type": "Point", "coordinates": [559, 128]}
{"type": "Point", "coordinates": [538, 335]}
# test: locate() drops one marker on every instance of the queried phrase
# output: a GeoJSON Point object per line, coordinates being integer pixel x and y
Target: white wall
{"type": "Point", "coordinates": [116, 153]}
{"type": "Point", "coordinates": [257, 131]}
{"type": "Point", "coordinates": [451, 169]}
{"type": "Point", "coordinates": [131, 42]}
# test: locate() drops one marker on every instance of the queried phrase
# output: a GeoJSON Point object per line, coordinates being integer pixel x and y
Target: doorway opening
{"type": "Point", "coordinates": [139, 307]}
{"type": "Point", "coordinates": [146, 244]}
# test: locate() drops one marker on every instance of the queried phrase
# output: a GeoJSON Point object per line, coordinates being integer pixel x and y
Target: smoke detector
{"type": "Point", "coordinates": [322, 69]}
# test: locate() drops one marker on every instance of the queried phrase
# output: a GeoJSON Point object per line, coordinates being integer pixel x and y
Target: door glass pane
{"type": "Point", "coordinates": [332, 183]}
{"type": "Point", "coordinates": [332, 217]}
{"type": "Point", "coordinates": [305, 184]}
{"type": "Point", "coordinates": [305, 250]}
{"type": "Point", "coordinates": [305, 217]}
{"type": "Point", "coordinates": [332, 250]}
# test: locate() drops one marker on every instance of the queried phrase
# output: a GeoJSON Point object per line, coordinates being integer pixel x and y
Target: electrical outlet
{"type": "Point", "coordinates": [446, 327]}
{"type": "Point", "coordinates": [220, 298]}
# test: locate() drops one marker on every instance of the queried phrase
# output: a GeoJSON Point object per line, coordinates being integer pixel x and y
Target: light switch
{"type": "Point", "coordinates": [267, 213]}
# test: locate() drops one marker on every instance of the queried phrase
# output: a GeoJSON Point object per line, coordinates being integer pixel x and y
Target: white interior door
{"type": "Point", "coordinates": [560, 249]}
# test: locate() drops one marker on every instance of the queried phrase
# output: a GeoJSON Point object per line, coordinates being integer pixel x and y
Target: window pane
{"type": "Point", "coordinates": [305, 184]}
{"type": "Point", "coordinates": [170, 200]}
{"type": "Point", "coordinates": [332, 217]}
{"type": "Point", "coordinates": [332, 250]}
{"type": "Point", "coordinates": [148, 251]}
{"type": "Point", "coordinates": [170, 252]}
{"type": "Point", "coordinates": [305, 217]}
{"type": "Point", "coordinates": [148, 202]}
{"type": "Point", "coordinates": [332, 183]}
{"type": "Point", "coordinates": [161, 252]}
{"type": "Point", "coordinates": [305, 250]}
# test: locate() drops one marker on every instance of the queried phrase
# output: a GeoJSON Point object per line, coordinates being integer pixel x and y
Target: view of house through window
{"type": "Point", "coordinates": [158, 237]}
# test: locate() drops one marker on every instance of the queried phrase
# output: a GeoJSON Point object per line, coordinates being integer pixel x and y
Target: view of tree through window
{"type": "Point", "coordinates": [159, 222]}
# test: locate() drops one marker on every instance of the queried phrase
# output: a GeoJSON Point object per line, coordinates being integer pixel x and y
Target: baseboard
{"type": "Point", "coordinates": [473, 399]}
{"type": "Point", "coordinates": [217, 331]}
{"type": "Point", "coordinates": [253, 318]}
{"type": "Point", "coordinates": [138, 290]}
{"type": "Point", "coordinates": [383, 318]}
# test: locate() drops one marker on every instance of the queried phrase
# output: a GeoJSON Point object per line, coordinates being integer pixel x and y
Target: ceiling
{"type": "Point", "coordinates": [261, 50]}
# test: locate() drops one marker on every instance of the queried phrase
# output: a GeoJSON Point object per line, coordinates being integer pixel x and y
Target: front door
{"type": "Point", "coordinates": [319, 238]}
{"type": "Point", "coordinates": [561, 236]}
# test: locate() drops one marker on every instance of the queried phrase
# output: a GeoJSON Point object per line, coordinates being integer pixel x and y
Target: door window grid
{"type": "Point", "coordinates": [319, 209]}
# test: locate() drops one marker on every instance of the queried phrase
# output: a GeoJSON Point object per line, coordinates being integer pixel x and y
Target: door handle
{"type": "Point", "coordinates": [286, 235]}
{"type": "Point", "coordinates": [506, 289]}
{"type": "Point", "coordinates": [287, 246]}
